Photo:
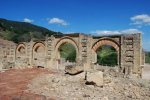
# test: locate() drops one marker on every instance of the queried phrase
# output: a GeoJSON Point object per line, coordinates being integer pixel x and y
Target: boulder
{"type": "Point", "coordinates": [95, 78]}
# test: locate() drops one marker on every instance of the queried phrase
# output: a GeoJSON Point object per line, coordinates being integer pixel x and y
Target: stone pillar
{"type": "Point", "coordinates": [51, 60]}
{"type": "Point", "coordinates": [30, 52]}
{"type": "Point", "coordinates": [94, 56]}
{"type": "Point", "coordinates": [137, 55]}
{"type": "Point", "coordinates": [131, 54]}
{"type": "Point", "coordinates": [122, 55]}
{"type": "Point", "coordinates": [88, 65]}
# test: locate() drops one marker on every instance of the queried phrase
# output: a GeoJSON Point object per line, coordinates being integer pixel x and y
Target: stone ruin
{"type": "Point", "coordinates": [45, 53]}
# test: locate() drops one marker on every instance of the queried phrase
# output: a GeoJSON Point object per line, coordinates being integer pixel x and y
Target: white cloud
{"type": "Point", "coordinates": [28, 20]}
{"type": "Point", "coordinates": [105, 32]}
{"type": "Point", "coordinates": [140, 20]}
{"type": "Point", "coordinates": [57, 21]}
{"type": "Point", "coordinates": [109, 32]}
{"type": "Point", "coordinates": [131, 31]}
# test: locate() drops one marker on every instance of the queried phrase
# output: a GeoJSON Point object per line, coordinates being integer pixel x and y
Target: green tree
{"type": "Point", "coordinates": [107, 55]}
{"type": "Point", "coordinates": [147, 57]}
{"type": "Point", "coordinates": [68, 52]}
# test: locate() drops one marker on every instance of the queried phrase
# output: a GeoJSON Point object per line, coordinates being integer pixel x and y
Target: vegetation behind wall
{"type": "Point", "coordinates": [147, 57]}
{"type": "Point", "coordinates": [107, 56]}
{"type": "Point", "coordinates": [68, 52]}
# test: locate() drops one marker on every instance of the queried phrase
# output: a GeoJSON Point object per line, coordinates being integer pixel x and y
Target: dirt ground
{"type": "Point", "coordinates": [13, 84]}
{"type": "Point", "coordinates": [146, 71]}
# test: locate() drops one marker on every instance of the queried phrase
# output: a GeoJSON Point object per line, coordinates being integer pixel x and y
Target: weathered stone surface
{"type": "Point", "coordinates": [107, 80]}
{"type": "Point", "coordinates": [95, 77]}
{"type": "Point", "coordinates": [73, 70]}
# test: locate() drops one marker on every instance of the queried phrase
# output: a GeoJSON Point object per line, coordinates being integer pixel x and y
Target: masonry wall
{"type": "Point", "coordinates": [7, 54]}
{"type": "Point", "coordinates": [131, 51]}
{"type": "Point", "coordinates": [46, 53]}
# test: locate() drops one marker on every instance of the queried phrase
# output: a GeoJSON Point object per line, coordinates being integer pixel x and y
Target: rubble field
{"type": "Point", "coordinates": [41, 84]}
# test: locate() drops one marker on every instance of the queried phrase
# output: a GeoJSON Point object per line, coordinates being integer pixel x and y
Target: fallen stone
{"type": "Point", "coordinates": [78, 77]}
{"type": "Point", "coordinates": [73, 70]}
{"type": "Point", "coordinates": [95, 78]}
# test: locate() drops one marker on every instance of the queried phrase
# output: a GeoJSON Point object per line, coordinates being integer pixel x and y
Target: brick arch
{"type": "Point", "coordinates": [106, 41]}
{"type": "Point", "coordinates": [38, 45]}
{"type": "Point", "coordinates": [20, 50]}
{"type": "Point", "coordinates": [38, 54]}
{"type": "Point", "coordinates": [21, 45]}
{"type": "Point", "coordinates": [64, 40]}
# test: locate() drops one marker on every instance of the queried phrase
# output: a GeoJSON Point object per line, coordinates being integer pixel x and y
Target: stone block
{"type": "Point", "coordinates": [95, 78]}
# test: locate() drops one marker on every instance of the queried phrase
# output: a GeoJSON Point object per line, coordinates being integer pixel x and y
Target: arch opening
{"type": "Point", "coordinates": [67, 52]}
{"type": "Point", "coordinates": [20, 51]}
{"type": "Point", "coordinates": [106, 52]}
{"type": "Point", "coordinates": [21, 57]}
{"type": "Point", "coordinates": [72, 45]}
{"type": "Point", "coordinates": [39, 55]}
{"type": "Point", "coordinates": [107, 56]}
{"type": "Point", "coordinates": [39, 49]}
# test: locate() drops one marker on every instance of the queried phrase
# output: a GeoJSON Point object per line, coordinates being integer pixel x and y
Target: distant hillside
{"type": "Point", "coordinates": [22, 31]}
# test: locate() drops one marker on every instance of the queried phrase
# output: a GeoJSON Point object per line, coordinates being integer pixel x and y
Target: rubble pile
{"type": "Point", "coordinates": [96, 85]}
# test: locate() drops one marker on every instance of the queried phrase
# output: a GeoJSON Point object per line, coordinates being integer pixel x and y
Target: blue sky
{"type": "Point", "coordinates": [97, 17]}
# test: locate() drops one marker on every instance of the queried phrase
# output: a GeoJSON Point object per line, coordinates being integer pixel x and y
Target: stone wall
{"type": "Point", "coordinates": [7, 54]}
{"type": "Point", "coordinates": [45, 53]}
